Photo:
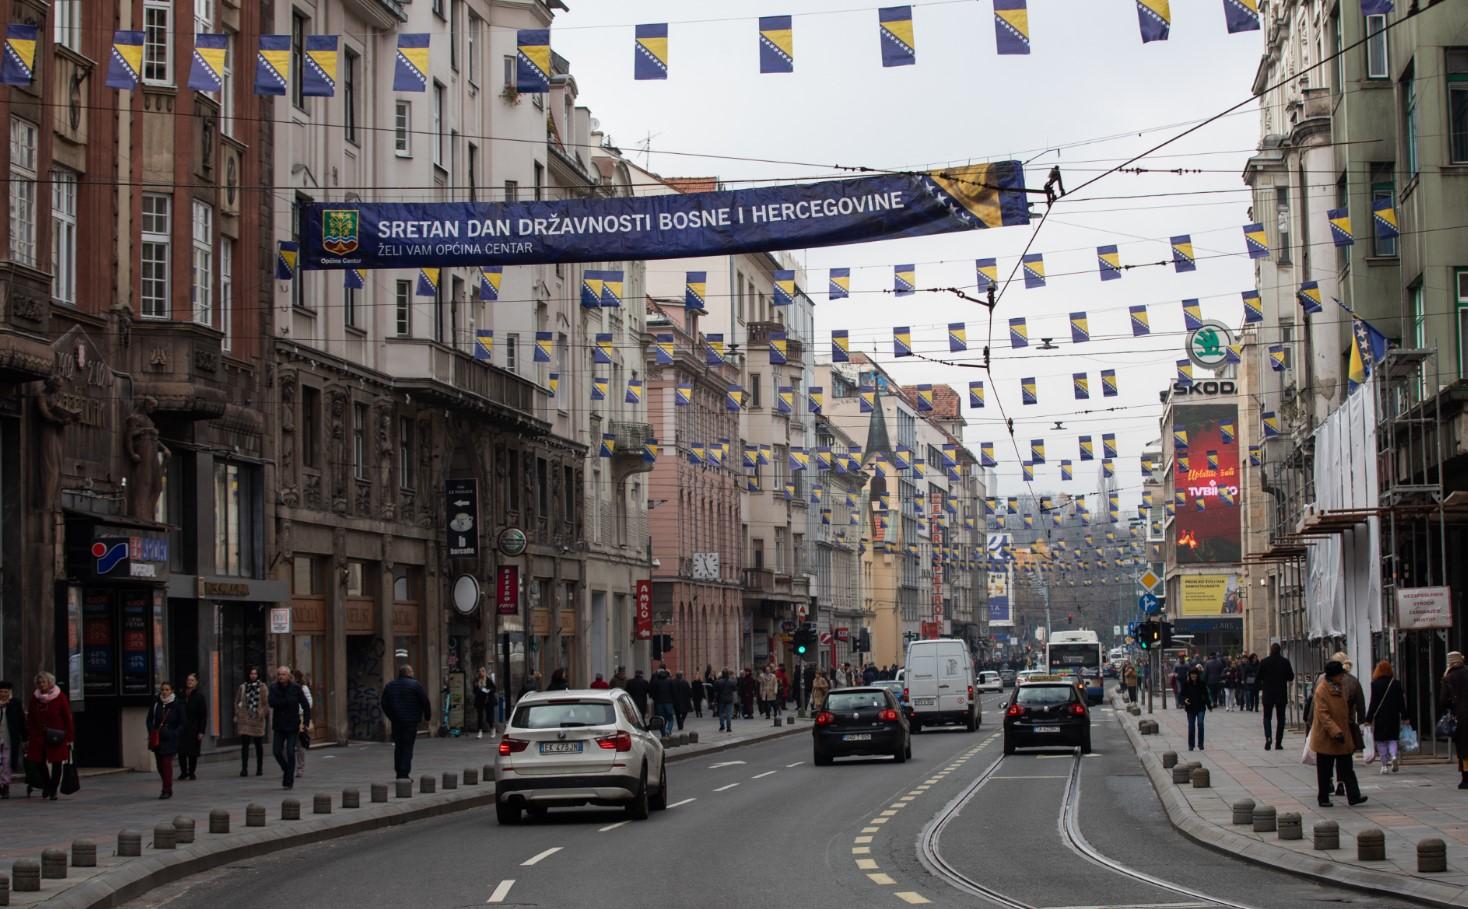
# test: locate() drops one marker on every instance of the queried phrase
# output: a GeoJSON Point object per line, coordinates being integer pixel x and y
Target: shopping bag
{"type": "Point", "coordinates": [1447, 726]}
{"type": "Point", "coordinates": [1369, 738]}
{"type": "Point", "coordinates": [71, 782]}
{"type": "Point", "coordinates": [1407, 740]}
{"type": "Point", "coordinates": [1307, 756]}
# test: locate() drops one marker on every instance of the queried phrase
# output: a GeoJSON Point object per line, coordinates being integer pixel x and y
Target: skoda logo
{"type": "Point", "coordinates": [1208, 345]}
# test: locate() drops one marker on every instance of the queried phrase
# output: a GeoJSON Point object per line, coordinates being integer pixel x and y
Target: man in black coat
{"type": "Point", "coordinates": [289, 714]}
{"type": "Point", "coordinates": [661, 689]}
{"type": "Point", "coordinates": [405, 704]}
{"type": "Point", "coordinates": [682, 698]}
{"type": "Point", "coordinates": [637, 687]}
{"type": "Point", "coordinates": [1273, 679]}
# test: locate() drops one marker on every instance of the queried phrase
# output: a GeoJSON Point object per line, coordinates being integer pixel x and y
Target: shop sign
{"type": "Point", "coordinates": [644, 610]}
{"type": "Point", "coordinates": [511, 542]}
{"type": "Point", "coordinates": [507, 590]}
{"type": "Point", "coordinates": [1424, 607]}
{"type": "Point", "coordinates": [280, 620]}
{"type": "Point", "coordinates": [461, 499]}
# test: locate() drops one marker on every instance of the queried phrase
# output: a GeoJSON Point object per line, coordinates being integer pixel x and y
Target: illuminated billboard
{"type": "Point", "coordinates": [1208, 526]}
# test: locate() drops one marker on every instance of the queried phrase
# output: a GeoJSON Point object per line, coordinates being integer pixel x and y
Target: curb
{"type": "Point", "coordinates": [677, 754]}
{"type": "Point", "coordinates": [1220, 839]}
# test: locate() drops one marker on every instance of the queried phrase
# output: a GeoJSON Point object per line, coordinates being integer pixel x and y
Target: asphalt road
{"type": "Point", "coordinates": [761, 826]}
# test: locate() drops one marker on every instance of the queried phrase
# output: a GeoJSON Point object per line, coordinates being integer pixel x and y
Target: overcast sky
{"type": "Point", "coordinates": [1089, 91]}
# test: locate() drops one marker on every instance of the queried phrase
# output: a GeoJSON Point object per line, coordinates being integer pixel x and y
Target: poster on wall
{"type": "Point", "coordinates": [1211, 595]}
{"type": "Point", "coordinates": [1000, 580]}
{"type": "Point", "coordinates": [1208, 523]}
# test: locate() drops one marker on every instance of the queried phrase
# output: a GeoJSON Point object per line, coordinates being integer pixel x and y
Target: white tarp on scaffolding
{"type": "Point", "coordinates": [1343, 593]}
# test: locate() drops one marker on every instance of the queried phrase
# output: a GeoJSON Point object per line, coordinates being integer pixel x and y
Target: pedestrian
{"type": "Point", "coordinates": [195, 724]}
{"type": "Point", "coordinates": [869, 674]}
{"type": "Point", "coordinates": [619, 678]}
{"type": "Point", "coordinates": [1331, 738]}
{"type": "Point", "coordinates": [637, 687]}
{"type": "Point", "coordinates": [484, 699]}
{"type": "Point", "coordinates": [1250, 682]}
{"type": "Point", "coordinates": [599, 683]}
{"type": "Point", "coordinates": [558, 681]}
{"type": "Point", "coordinates": [661, 690]}
{"type": "Point", "coordinates": [810, 685]}
{"type": "Point", "coordinates": [769, 689]}
{"type": "Point", "coordinates": [50, 732]}
{"type": "Point", "coordinates": [1387, 712]}
{"type": "Point", "coordinates": [1213, 678]}
{"type": "Point", "coordinates": [818, 691]}
{"type": "Point", "coordinates": [12, 738]}
{"type": "Point", "coordinates": [1230, 685]}
{"type": "Point", "coordinates": [1196, 700]}
{"type": "Point", "coordinates": [696, 694]}
{"type": "Point", "coordinates": [1273, 680]}
{"type": "Point", "coordinates": [1129, 681]}
{"type": "Point", "coordinates": [1356, 704]}
{"type": "Point", "coordinates": [165, 728]}
{"type": "Point", "coordinates": [289, 715]}
{"type": "Point", "coordinates": [1179, 675]}
{"type": "Point", "coordinates": [303, 740]}
{"type": "Point", "coordinates": [682, 698]}
{"type": "Point", "coordinates": [725, 691]}
{"type": "Point", "coordinates": [783, 681]}
{"type": "Point", "coordinates": [798, 687]}
{"type": "Point", "coordinates": [1455, 700]}
{"type": "Point", "coordinates": [405, 704]}
{"type": "Point", "coordinates": [250, 711]}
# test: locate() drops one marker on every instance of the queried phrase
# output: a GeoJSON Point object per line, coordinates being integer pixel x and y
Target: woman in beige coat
{"type": "Point", "coordinates": [251, 709]}
{"type": "Point", "coordinates": [818, 691]}
{"type": "Point", "coordinates": [1330, 736]}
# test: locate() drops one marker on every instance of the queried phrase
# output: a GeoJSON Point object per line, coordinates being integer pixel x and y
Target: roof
{"type": "Point", "coordinates": [693, 184]}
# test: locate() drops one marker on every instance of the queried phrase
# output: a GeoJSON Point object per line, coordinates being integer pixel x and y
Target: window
{"type": "Point", "coordinates": [1340, 60]}
{"type": "Point", "coordinates": [298, 286]}
{"type": "Point", "coordinates": [63, 236]}
{"type": "Point", "coordinates": [310, 426]}
{"type": "Point", "coordinates": [403, 304]}
{"type": "Point", "coordinates": [405, 453]}
{"type": "Point", "coordinates": [755, 382]}
{"type": "Point", "coordinates": [403, 130]}
{"type": "Point", "coordinates": [350, 307]}
{"type": "Point", "coordinates": [359, 440]}
{"type": "Point", "coordinates": [23, 136]}
{"type": "Point", "coordinates": [438, 326]}
{"type": "Point", "coordinates": [1419, 315]}
{"type": "Point", "coordinates": [1282, 208]}
{"type": "Point", "coordinates": [438, 8]}
{"type": "Point", "coordinates": [203, 264]}
{"type": "Point", "coordinates": [473, 172]}
{"type": "Point", "coordinates": [509, 71]}
{"type": "Point", "coordinates": [349, 96]}
{"type": "Point", "coordinates": [539, 181]}
{"type": "Point", "coordinates": [453, 159]}
{"type": "Point", "coordinates": [1377, 63]}
{"type": "Point", "coordinates": [453, 15]}
{"type": "Point", "coordinates": [157, 38]}
{"type": "Point", "coordinates": [1382, 186]}
{"type": "Point", "coordinates": [68, 32]}
{"type": "Point", "coordinates": [438, 93]}
{"type": "Point", "coordinates": [234, 519]}
{"type": "Point", "coordinates": [203, 15]}
{"type": "Point", "coordinates": [1460, 280]}
{"type": "Point", "coordinates": [471, 50]}
{"type": "Point", "coordinates": [300, 25]}
{"type": "Point", "coordinates": [226, 292]}
{"type": "Point", "coordinates": [155, 246]}
{"type": "Point", "coordinates": [512, 191]}
{"type": "Point", "coordinates": [307, 576]}
{"type": "Point", "coordinates": [1457, 67]}
{"type": "Point", "coordinates": [226, 87]}
{"type": "Point", "coordinates": [1409, 119]}
{"type": "Point", "coordinates": [512, 353]}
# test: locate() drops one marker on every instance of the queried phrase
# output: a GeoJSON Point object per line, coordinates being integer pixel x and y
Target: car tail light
{"type": "Point", "coordinates": [970, 692]}
{"type": "Point", "coordinates": [1015, 710]}
{"type": "Point", "coordinates": [904, 695]}
{"type": "Point", "coordinates": [512, 746]}
{"type": "Point", "coordinates": [1078, 709]}
{"type": "Point", "coordinates": [622, 741]}
{"type": "Point", "coordinates": [889, 715]}
{"type": "Point", "coordinates": [825, 718]}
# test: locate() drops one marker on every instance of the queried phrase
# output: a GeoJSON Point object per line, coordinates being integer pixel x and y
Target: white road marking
{"type": "Point", "coordinates": [536, 859]}
{"type": "Point", "coordinates": [724, 764]}
{"type": "Point", "coordinates": [684, 802]}
{"type": "Point", "coordinates": [724, 788]}
{"type": "Point", "coordinates": [759, 776]}
{"type": "Point", "coordinates": [1029, 777]}
{"type": "Point", "coordinates": [796, 764]}
{"type": "Point", "coordinates": [501, 890]}
{"type": "Point", "coordinates": [611, 826]}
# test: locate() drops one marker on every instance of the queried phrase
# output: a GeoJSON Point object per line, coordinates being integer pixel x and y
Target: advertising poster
{"type": "Point", "coordinates": [1211, 595]}
{"type": "Point", "coordinates": [1208, 524]}
{"type": "Point", "coordinates": [1000, 581]}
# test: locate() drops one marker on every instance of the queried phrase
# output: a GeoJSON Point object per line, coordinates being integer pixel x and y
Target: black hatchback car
{"type": "Point", "coordinates": [1046, 712]}
{"type": "Point", "coordinates": [861, 721]}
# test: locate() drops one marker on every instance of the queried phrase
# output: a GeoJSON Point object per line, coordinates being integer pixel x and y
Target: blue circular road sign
{"type": "Point", "coordinates": [1149, 603]}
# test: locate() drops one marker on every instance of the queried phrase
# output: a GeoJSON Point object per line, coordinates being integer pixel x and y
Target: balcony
{"type": "Point", "coordinates": [759, 580]}
{"type": "Point", "coordinates": [759, 339]}
{"type": "Point", "coordinates": [627, 458]}
{"type": "Point", "coordinates": [452, 378]}
{"type": "Point", "coordinates": [180, 365]}
{"type": "Point", "coordinates": [24, 322]}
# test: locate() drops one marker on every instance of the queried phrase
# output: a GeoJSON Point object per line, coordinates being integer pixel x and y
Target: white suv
{"type": "Point", "coordinates": [566, 748]}
{"type": "Point", "coordinates": [990, 681]}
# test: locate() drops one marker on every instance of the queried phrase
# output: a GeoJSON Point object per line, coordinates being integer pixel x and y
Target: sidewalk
{"type": "Point", "coordinates": [112, 802]}
{"type": "Point", "coordinates": [1421, 801]}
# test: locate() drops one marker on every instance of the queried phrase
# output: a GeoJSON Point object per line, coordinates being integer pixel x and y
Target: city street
{"type": "Point", "coordinates": [760, 825]}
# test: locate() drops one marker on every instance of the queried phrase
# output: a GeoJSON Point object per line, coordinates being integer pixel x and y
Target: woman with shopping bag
{"type": "Point", "coordinates": [1386, 714]}
{"type": "Point", "coordinates": [1331, 738]}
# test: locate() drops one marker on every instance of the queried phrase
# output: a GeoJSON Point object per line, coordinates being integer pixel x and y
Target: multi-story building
{"type": "Point", "coordinates": [835, 541]}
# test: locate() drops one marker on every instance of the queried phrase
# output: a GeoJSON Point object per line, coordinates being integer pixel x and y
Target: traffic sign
{"type": "Point", "coordinates": [1149, 580]}
{"type": "Point", "coordinates": [1149, 604]}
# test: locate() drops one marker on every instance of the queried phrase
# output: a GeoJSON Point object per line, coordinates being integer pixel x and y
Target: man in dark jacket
{"type": "Point", "coordinates": [1213, 678]}
{"type": "Point", "coordinates": [661, 689]}
{"type": "Point", "coordinates": [1273, 679]}
{"type": "Point", "coordinates": [637, 687]}
{"type": "Point", "coordinates": [405, 704]}
{"type": "Point", "coordinates": [1455, 698]}
{"type": "Point", "coordinates": [682, 698]}
{"type": "Point", "coordinates": [289, 714]}
{"type": "Point", "coordinates": [726, 691]}
{"type": "Point", "coordinates": [748, 688]}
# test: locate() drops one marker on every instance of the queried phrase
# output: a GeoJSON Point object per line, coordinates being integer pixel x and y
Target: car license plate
{"type": "Point", "coordinates": [560, 747]}
{"type": "Point", "coordinates": [1047, 728]}
{"type": "Point", "coordinates": [857, 737]}
{"type": "Point", "coordinates": [923, 702]}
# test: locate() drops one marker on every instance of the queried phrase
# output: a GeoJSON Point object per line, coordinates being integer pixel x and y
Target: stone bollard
{"type": "Point", "coordinates": [4, 890]}
{"type": "Point", "coordinates": [290, 810]}
{"type": "Point", "coordinates": [487, 773]}
{"type": "Point", "coordinates": [1265, 820]}
{"type": "Point", "coordinates": [352, 798]}
{"type": "Point", "coordinates": [471, 776]}
{"type": "Point", "coordinates": [1201, 778]}
{"type": "Point", "coordinates": [321, 803]}
{"type": "Point", "coordinates": [1244, 811]}
{"type": "Point", "coordinates": [1169, 760]}
{"type": "Point", "coordinates": [427, 785]}
{"type": "Point", "coordinates": [1432, 856]}
{"type": "Point", "coordinates": [1290, 826]}
{"type": "Point", "coordinates": [254, 815]}
{"type": "Point", "coordinates": [693, 738]}
{"type": "Point", "coordinates": [129, 844]}
{"type": "Point", "coordinates": [404, 788]}
{"type": "Point", "coordinates": [1181, 773]}
{"type": "Point", "coordinates": [449, 781]}
{"type": "Point", "coordinates": [25, 876]}
{"type": "Point", "coordinates": [165, 836]}
{"type": "Point", "coordinates": [1327, 835]}
{"type": "Point", "coordinates": [1134, 710]}
{"type": "Point", "coordinates": [53, 864]}
{"type": "Point", "coordinates": [218, 821]}
{"type": "Point", "coordinates": [379, 792]}
{"type": "Point", "coordinates": [83, 854]}
{"type": "Point", "coordinates": [1371, 845]}
{"type": "Point", "coordinates": [183, 830]}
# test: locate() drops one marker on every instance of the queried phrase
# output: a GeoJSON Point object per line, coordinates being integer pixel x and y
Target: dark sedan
{"type": "Point", "coordinates": [1047, 712]}
{"type": "Point", "coordinates": [861, 721]}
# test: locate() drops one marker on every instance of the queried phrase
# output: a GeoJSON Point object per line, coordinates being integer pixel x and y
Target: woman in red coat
{"type": "Point", "coordinates": [50, 730]}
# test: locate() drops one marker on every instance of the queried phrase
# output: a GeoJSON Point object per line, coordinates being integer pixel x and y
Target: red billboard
{"type": "Point", "coordinates": [644, 610]}
{"type": "Point", "coordinates": [1208, 525]}
{"type": "Point", "coordinates": [507, 590]}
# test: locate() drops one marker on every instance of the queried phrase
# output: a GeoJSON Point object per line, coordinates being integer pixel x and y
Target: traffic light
{"type": "Point", "coordinates": [863, 641]}
{"type": "Point", "coordinates": [1149, 635]}
{"type": "Point", "coordinates": [662, 644]}
{"type": "Point", "coordinates": [1165, 634]}
{"type": "Point", "coordinates": [805, 638]}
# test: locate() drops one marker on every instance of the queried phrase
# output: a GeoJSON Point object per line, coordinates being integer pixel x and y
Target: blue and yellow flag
{"type": "Point", "coordinates": [901, 341]}
{"type": "Point", "coordinates": [976, 393]}
{"type": "Point", "coordinates": [1081, 382]}
{"type": "Point", "coordinates": [1368, 346]}
{"type": "Point", "coordinates": [611, 288]}
{"type": "Point", "coordinates": [1037, 451]}
{"type": "Point", "coordinates": [1278, 357]}
{"type": "Point", "coordinates": [634, 392]}
{"type": "Point", "coordinates": [1027, 472]}
{"type": "Point", "coordinates": [1029, 391]}
{"type": "Point", "coordinates": [1080, 329]}
{"type": "Point", "coordinates": [207, 72]}
{"type": "Point", "coordinates": [1384, 219]}
{"type": "Point", "coordinates": [1192, 315]}
{"type": "Point", "coordinates": [1012, 504]}
{"type": "Point", "coordinates": [1019, 333]}
{"type": "Point", "coordinates": [650, 56]}
{"type": "Point", "coordinates": [125, 65]}
{"type": "Point", "coordinates": [553, 383]}
{"type": "Point", "coordinates": [1180, 439]}
{"type": "Point", "coordinates": [1256, 241]}
{"type": "Point", "coordinates": [683, 394]}
{"type": "Point", "coordinates": [1012, 26]}
{"type": "Point", "coordinates": [697, 454]}
{"type": "Point", "coordinates": [1184, 372]}
{"type": "Point", "coordinates": [286, 254]}
{"type": "Point", "coordinates": [599, 385]}
{"type": "Point", "coordinates": [917, 468]}
{"type": "Point", "coordinates": [784, 287]}
{"type": "Point", "coordinates": [601, 351]}
{"type": "Point", "coordinates": [1108, 445]}
{"type": "Point", "coordinates": [662, 350]}
{"type": "Point", "coordinates": [734, 398]}
{"type": "Point", "coordinates": [608, 445]}
{"type": "Point", "coordinates": [490, 278]}
{"type": "Point", "coordinates": [427, 282]}
{"type": "Point", "coordinates": [751, 457]}
{"type": "Point", "coordinates": [1182, 253]}
{"type": "Point", "coordinates": [1067, 470]}
{"type": "Point", "coordinates": [1256, 456]}
{"type": "Point", "coordinates": [1270, 422]}
{"type": "Point", "coordinates": [1227, 431]}
{"type": "Point", "coordinates": [776, 45]}
{"type": "Point", "coordinates": [898, 46]}
{"type": "Point", "coordinates": [591, 283]}
{"type": "Point", "coordinates": [410, 72]}
{"type": "Point", "coordinates": [532, 60]}
{"type": "Point", "coordinates": [484, 345]}
{"type": "Point", "coordinates": [650, 451]}
{"type": "Point", "coordinates": [903, 457]}
{"type": "Point", "coordinates": [1087, 448]}
{"type": "Point", "coordinates": [545, 347]}
{"type": "Point", "coordinates": [1340, 226]}
{"type": "Point", "coordinates": [19, 64]}
{"type": "Point", "coordinates": [778, 348]}
{"type": "Point", "coordinates": [1233, 354]}
{"type": "Point", "coordinates": [866, 397]}
{"type": "Point", "coordinates": [924, 398]}
{"type": "Point", "coordinates": [273, 65]}
{"type": "Point", "coordinates": [904, 280]}
{"type": "Point", "coordinates": [1241, 15]}
{"type": "Point", "coordinates": [987, 273]}
{"type": "Point", "coordinates": [789, 490]}
{"type": "Point", "coordinates": [318, 79]}
{"type": "Point", "coordinates": [840, 346]}
{"type": "Point", "coordinates": [695, 285]}
{"type": "Point", "coordinates": [1034, 268]}
{"type": "Point", "coordinates": [1108, 383]}
{"type": "Point", "coordinates": [1155, 19]}
{"type": "Point", "coordinates": [1253, 307]}
{"type": "Point", "coordinates": [816, 398]}
{"type": "Point", "coordinates": [838, 287]}
{"type": "Point", "coordinates": [957, 337]}
{"type": "Point", "coordinates": [1108, 469]}
{"type": "Point", "coordinates": [1141, 323]}
{"type": "Point", "coordinates": [1309, 297]}
{"type": "Point", "coordinates": [354, 278]}
{"type": "Point", "coordinates": [824, 458]}
{"type": "Point", "coordinates": [1108, 259]}
{"type": "Point", "coordinates": [1376, 7]}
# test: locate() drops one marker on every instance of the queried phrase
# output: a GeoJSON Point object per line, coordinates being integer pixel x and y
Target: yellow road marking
{"type": "Point", "coordinates": [912, 897]}
{"type": "Point", "coordinates": [870, 829]}
{"type": "Point", "coordinates": [879, 820]}
{"type": "Point", "coordinates": [866, 864]}
{"type": "Point", "coordinates": [862, 839]}
{"type": "Point", "coordinates": [861, 850]}
{"type": "Point", "coordinates": [888, 813]}
{"type": "Point", "coordinates": [884, 879]}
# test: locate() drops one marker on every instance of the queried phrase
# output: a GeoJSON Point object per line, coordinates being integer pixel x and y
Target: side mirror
{"type": "Point", "coordinates": [655, 723]}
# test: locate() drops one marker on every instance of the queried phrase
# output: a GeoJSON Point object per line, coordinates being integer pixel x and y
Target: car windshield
{"type": "Point", "coordinates": [1045, 695]}
{"type": "Point", "coordinates": [894, 687]}
{"type": "Point", "coordinates": [856, 700]}
{"type": "Point", "coordinates": [564, 715]}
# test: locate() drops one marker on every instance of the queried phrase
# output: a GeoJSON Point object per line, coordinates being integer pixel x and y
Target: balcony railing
{"type": "Point", "coordinates": [759, 579]}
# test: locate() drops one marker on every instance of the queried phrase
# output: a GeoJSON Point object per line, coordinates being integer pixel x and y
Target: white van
{"type": "Point", "coordinates": [938, 682]}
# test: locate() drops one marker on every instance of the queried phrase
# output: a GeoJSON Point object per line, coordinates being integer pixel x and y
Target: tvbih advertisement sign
{"type": "Point", "coordinates": [1208, 524]}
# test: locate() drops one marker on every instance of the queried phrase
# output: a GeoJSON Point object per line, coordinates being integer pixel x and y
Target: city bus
{"type": "Point", "coordinates": [1079, 652]}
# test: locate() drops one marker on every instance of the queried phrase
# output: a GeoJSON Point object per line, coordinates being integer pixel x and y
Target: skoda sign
{"type": "Point", "coordinates": [1208, 345]}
